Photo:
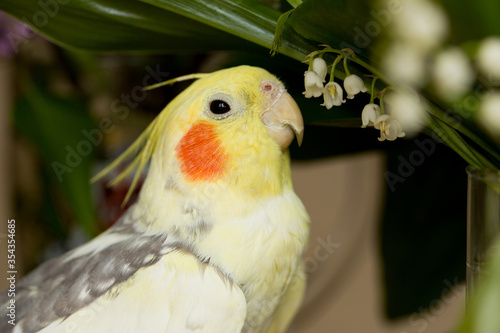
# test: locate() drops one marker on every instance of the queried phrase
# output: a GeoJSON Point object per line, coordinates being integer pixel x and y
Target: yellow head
{"type": "Point", "coordinates": [231, 127]}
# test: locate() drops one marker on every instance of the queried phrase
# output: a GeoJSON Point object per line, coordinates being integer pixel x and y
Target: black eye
{"type": "Point", "coordinates": [219, 107]}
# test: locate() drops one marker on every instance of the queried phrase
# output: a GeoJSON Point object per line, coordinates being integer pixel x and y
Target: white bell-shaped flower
{"type": "Point", "coordinates": [452, 74]}
{"type": "Point", "coordinates": [405, 64]}
{"type": "Point", "coordinates": [313, 84]}
{"type": "Point", "coordinates": [487, 58]}
{"type": "Point", "coordinates": [488, 114]}
{"type": "Point", "coordinates": [407, 108]}
{"type": "Point", "coordinates": [390, 129]}
{"type": "Point", "coordinates": [369, 114]}
{"type": "Point", "coordinates": [421, 23]}
{"type": "Point", "coordinates": [353, 85]}
{"type": "Point", "coordinates": [332, 94]}
{"type": "Point", "coordinates": [319, 66]}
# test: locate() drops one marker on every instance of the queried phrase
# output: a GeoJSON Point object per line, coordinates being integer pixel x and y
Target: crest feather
{"type": "Point", "coordinates": [144, 146]}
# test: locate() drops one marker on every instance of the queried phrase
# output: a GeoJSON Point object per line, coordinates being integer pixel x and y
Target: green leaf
{"type": "Point", "coordinates": [294, 3]}
{"type": "Point", "coordinates": [458, 144]}
{"type": "Point", "coordinates": [57, 127]}
{"type": "Point", "coordinates": [155, 25]}
{"type": "Point", "coordinates": [279, 30]}
{"type": "Point", "coordinates": [250, 20]}
{"type": "Point", "coordinates": [481, 17]}
{"type": "Point", "coordinates": [114, 25]}
{"type": "Point", "coordinates": [338, 23]}
{"type": "Point", "coordinates": [450, 128]}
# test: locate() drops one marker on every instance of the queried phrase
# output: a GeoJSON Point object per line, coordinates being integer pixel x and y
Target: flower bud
{"type": "Point", "coordinates": [369, 114]}
{"type": "Point", "coordinates": [353, 85]}
{"type": "Point", "coordinates": [487, 59]}
{"type": "Point", "coordinates": [313, 84]}
{"type": "Point", "coordinates": [319, 66]}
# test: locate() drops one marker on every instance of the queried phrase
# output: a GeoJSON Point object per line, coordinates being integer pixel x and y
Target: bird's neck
{"type": "Point", "coordinates": [229, 225]}
{"type": "Point", "coordinates": [169, 202]}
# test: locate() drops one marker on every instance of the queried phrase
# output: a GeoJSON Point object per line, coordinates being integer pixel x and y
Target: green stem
{"type": "Point", "coordinates": [371, 69]}
{"type": "Point", "coordinates": [358, 61]}
{"type": "Point", "coordinates": [450, 136]}
{"type": "Point", "coordinates": [459, 126]}
{"type": "Point", "coordinates": [382, 107]}
{"type": "Point", "coordinates": [332, 71]}
{"type": "Point", "coordinates": [346, 69]}
{"type": "Point", "coordinates": [372, 97]}
{"type": "Point", "coordinates": [311, 63]}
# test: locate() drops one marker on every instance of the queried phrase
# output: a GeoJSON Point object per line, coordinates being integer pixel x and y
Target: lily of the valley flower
{"type": "Point", "coordinates": [407, 109]}
{"type": "Point", "coordinates": [354, 85]}
{"type": "Point", "coordinates": [452, 74]}
{"type": "Point", "coordinates": [313, 84]}
{"type": "Point", "coordinates": [488, 57]}
{"type": "Point", "coordinates": [314, 78]}
{"type": "Point", "coordinates": [319, 67]}
{"type": "Point", "coordinates": [332, 94]}
{"type": "Point", "coordinates": [421, 23]}
{"type": "Point", "coordinates": [489, 114]}
{"type": "Point", "coordinates": [369, 115]}
{"type": "Point", "coordinates": [404, 64]}
{"type": "Point", "coordinates": [390, 129]}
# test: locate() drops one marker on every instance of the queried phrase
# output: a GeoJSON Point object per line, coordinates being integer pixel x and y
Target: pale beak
{"type": "Point", "coordinates": [283, 120]}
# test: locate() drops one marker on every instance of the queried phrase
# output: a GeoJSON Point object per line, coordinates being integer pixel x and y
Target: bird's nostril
{"type": "Point", "coordinates": [268, 87]}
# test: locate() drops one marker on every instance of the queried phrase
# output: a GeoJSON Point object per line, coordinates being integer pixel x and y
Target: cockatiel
{"type": "Point", "coordinates": [214, 241]}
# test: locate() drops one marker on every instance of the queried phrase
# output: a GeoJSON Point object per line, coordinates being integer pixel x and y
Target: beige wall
{"type": "Point", "coordinates": [343, 196]}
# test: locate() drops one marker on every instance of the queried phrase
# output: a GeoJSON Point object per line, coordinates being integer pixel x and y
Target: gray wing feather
{"type": "Point", "coordinates": [63, 285]}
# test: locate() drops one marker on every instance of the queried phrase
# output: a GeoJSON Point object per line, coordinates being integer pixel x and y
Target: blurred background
{"type": "Point", "coordinates": [386, 254]}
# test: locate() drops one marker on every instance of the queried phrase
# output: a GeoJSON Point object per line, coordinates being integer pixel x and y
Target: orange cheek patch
{"type": "Point", "coordinates": [200, 154]}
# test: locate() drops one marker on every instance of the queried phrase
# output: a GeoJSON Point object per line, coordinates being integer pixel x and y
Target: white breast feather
{"type": "Point", "coordinates": [177, 294]}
